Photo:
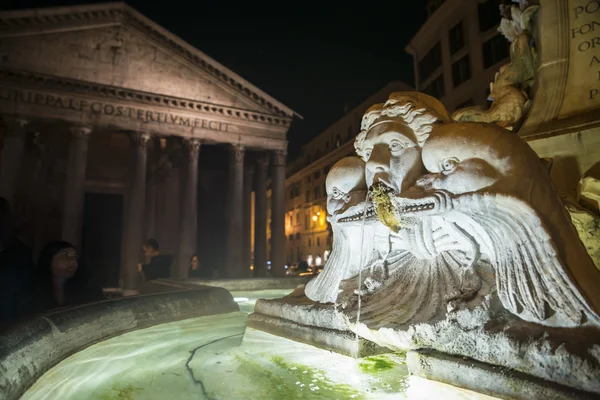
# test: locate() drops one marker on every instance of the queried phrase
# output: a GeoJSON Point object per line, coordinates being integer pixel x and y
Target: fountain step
{"type": "Point", "coordinates": [486, 378]}
{"type": "Point", "coordinates": [343, 342]}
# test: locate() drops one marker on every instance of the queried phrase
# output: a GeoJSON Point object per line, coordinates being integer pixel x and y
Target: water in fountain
{"type": "Point", "coordinates": [362, 248]}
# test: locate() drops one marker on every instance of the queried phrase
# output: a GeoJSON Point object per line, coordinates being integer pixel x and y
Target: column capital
{"type": "Point", "coordinates": [141, 138]}
{"type": "Point", "coordinates": [279, 157]}
{"type": "Point", "coordinates": [80, 132]}
{"type": "Point", "coordinates": [262, 160]}
{"type": "Point", "coordinates": [192, 145]}
{"type": "Point", "coordinates": [15, 126]}
{"type": "Point", "coordinates": [238, 151]}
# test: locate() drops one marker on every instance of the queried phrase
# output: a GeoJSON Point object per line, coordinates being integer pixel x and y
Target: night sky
{"type": "Point", "coordinates": [313, 58]}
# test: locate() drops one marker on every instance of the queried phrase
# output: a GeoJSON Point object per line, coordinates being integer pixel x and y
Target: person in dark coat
{"type": "Point", "coordinates": [157, 265]}
{"type": "Point", "coordinates": [196, 271]}
{"type": "Point", "coordinates": [61, 281]}
{"type": "Point", "coordinates": [16, 269]}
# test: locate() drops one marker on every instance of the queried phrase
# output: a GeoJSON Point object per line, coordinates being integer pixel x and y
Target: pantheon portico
{"type": "Point", "coordinates": [100, 99]}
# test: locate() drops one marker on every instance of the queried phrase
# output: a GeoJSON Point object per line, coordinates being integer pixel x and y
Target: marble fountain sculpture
{"type": "Point", "coordinates": [472, 266]}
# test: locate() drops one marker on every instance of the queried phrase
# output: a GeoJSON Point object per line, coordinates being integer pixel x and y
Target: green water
{"type": "Point", "coordinates": [212, 358]}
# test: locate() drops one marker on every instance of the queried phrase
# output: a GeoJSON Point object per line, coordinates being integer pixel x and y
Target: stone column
{"type": "Point", "coordinates": [278, 213]}
{"type": "Point", "coordinates": [246, 249]}
{"type": "Point", "coordinates": [235, 207]}
{"type": "Point", "coordinates": [189, 207]}
{"type": "Point", "coordinates": [134, 225]}
{"type": "Point", "coordinates": [150, 209]}
{"type": "Point", "coordinates": [260, 216]}
{"type": "Point", "coordinates": [75, 185]}
{"type": "Point", "coordinates": [12, 157]}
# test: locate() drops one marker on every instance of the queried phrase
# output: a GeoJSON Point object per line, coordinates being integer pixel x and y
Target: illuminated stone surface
{"type": "Point", "coordinates": [202, 358]}
{"type": "Point", "coordinates": [483, 260]}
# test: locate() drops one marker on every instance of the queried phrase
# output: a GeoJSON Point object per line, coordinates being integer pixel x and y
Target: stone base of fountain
{"type": "Point", "coordinates": [298, 318]}
{"type": "Point", "coordinates": [485, 349]}
{"type": "Point", "coordinates": [489, 348]}
{"type": "Point", "coordinates": [485, 378]}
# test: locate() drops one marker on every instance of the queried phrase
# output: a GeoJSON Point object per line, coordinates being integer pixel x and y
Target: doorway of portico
{"type": "Point", "coordinates": [102, 236]}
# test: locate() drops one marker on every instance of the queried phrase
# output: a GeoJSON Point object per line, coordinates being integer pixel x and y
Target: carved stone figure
{"type": "Point", "coordinates": [510, 90]}
{"type": "Point", "coordinates": [431, 265]}
{"type": "Point", "coordinates": [352, 219]}
{"type": "Point", "coordinates": [487, 200]}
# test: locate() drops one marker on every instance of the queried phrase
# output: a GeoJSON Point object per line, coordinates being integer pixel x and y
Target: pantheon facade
{"type": "Point", "coordinates": [98, 100]}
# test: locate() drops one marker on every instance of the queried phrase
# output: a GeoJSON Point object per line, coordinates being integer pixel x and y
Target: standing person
{"type": "Point", "coordinates": [196, 271]}
{"type": "Point", "coordinates": [16, 268]}
{"type": "Point", "coordinates": [61, 281]}
{"type": "Point", "coordinates": [157, 265]}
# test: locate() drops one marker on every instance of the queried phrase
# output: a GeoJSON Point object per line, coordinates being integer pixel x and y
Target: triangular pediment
{"type": "Point", "coordinates": [112, 44]}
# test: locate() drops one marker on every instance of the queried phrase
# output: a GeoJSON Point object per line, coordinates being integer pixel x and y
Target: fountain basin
{"type": "Point", "coordinates": [34, 346]}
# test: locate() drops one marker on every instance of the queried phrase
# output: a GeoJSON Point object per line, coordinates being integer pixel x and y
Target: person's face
{"type": "Point", "coordinates": [64, 263]}
{"type": "Point", "coordinates": [195, 263]}
{"type": "Point", "coordinates": [392, 158]}
{"type": "Point", "coordinates": [147, 250]}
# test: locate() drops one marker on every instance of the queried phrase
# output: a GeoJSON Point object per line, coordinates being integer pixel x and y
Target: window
{"type": "Point", "coordinates": [318, 241]}
{"type": "Point", "coordinates": [495, 50]}
{"type": "Point", "coordinates": [308, 195]}
{"type": "Point", "coordinates": [338, 141]}
{"type": "Point", "coordinates": [326, 145]}
{"type": "Point", "coordinates": [306, 221]}
{"type": "Point", "coordinates": [291, 237]}
{"type": "Point", "coordinates": [461, 71]}
{"type": "Point", "coordinates": [469, 102]}
{"type": "Point", "coordinates": [297, 218]}
{"type": "Point", "coordinates": [309, 242]}
{"type": "Point", "coordinates": [457, 38]}
{"type": "Point", "coordinates": [317, 192]}
{"type": "Point", "coordinates": [297, 236]}
{"type": "Point", "coordinates": [489, 15]}
{"type": "Point", "coordinates": [317, 174]}
{"type": "Point", "coordinates": [308, 179]}
{"type": "Point", "coordinates": [430, 62]}
{"type": "Point", "coordinates": [436, 87]}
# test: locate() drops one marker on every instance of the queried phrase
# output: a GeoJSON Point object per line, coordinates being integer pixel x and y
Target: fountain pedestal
{"type": "Point", "coordinates": [298, 318]}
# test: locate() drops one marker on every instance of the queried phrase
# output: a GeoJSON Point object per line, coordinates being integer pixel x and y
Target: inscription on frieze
{"type": "Point", "coordinates": [583, 82]}
{"type": "Point", "coordinates": [109, 109]}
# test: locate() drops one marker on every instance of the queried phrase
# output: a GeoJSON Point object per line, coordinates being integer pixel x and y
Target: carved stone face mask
{"type": "Point", "coordinates": [392, 157]}
{"type": "Point", "coordinates": [347, 191]}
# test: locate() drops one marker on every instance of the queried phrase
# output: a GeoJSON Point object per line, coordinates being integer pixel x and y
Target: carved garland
{"type": "Point", "coordinates": [154, 99]}
{"type": "Point", "coordinates": [123, 15]}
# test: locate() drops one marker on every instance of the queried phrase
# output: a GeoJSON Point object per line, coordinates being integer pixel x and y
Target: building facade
{"type": "Point", "coordinates": [105, 117]}
{"type": "Point", "coordinates": [458, 50]}
{"type": "Point", "coordinates": [308, 234]}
